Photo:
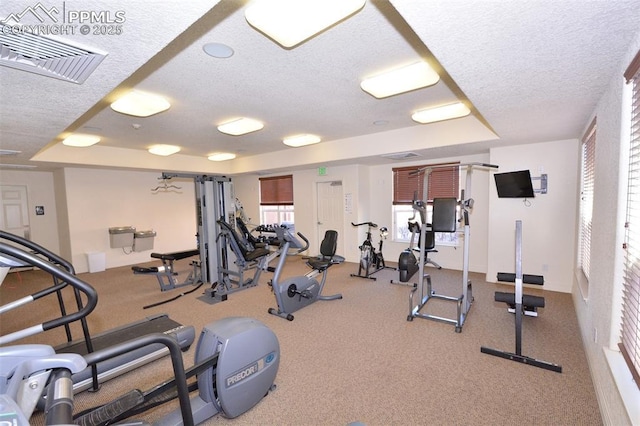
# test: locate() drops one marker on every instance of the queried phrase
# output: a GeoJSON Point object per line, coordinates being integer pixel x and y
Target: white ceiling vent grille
{"type": "Point", "coordinates": [401, 155]}
{"type": "Point", "coordinates": [41, 55]}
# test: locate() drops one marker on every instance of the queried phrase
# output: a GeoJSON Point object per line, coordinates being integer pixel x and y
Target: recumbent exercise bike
{"type": "Point", "coordinates": [295, 293]}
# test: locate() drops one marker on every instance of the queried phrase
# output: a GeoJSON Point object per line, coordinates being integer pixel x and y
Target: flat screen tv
{"type": "Point", "coordinates": [514, 184]}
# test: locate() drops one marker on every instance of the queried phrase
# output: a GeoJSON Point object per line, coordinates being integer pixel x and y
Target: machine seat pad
{"type": "Point", "coordinates": [321, 263]}
{"type": "Point", "coordinates": [527, 299]}
{"type": "Point", "coordinates": [526, 278]}
{"type": "Point", "coordinates": [142, 270]}
{"type": "Point", "coordinates": [256, 253]}
{"type": "Point", "coordinates": [176, 255]}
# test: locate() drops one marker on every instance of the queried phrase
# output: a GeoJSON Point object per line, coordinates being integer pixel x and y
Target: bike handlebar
{"type": "Point", "coordinates": [371, 224]}
{"type": "Point", "coordinates": [306, 243]}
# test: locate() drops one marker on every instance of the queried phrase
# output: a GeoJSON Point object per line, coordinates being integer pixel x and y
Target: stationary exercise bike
{"type": "Point", "coordinates": [407, 261]}
{"type": "Point", "coordinates": [236, 364]}
{"type": "Point", "coordinates": [371, 261]}
{"type": "Point", "coordinates": [295, 293]}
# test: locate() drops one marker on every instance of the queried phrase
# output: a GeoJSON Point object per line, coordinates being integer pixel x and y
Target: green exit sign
{"type": "Point", "coordinates": [322, 171]}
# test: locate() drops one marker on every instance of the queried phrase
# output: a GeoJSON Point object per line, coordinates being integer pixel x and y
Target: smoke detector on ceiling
{"type": "Point", "coordinates": [41, 55]}
{"type": "Point", "coordinates": [401, 155]}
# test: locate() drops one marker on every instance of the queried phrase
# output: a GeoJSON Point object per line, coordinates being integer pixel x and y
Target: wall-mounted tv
{"type": "Point", "coordinates": [514, 184]}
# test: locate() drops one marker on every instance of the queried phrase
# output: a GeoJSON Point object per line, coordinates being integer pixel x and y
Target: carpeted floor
{"type": "Point", "coordinates": [358, 359]}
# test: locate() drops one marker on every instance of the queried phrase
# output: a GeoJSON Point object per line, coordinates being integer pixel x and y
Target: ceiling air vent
{"type": "Point", "coordinates": [41, 55]}
{"type": "Point", "coordinates": [401, 155]}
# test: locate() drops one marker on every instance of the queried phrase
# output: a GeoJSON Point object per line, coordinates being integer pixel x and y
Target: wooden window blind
{"type": "Point", "coordinates": [586, 196]}
{"type": "Point", "coordinates": [276, 191]}
{"type": "Point", "coordinates": [443, 182]}
{"type": "Point", "coordinates": [630, 330]}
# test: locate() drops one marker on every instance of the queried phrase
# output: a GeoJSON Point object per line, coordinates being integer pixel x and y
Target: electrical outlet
{"type": "Point", "coordinates": [545, 267]}
{"type": "Point", "coordinates": [595, 335]}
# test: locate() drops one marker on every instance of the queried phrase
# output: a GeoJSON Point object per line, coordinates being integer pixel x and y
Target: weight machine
{"type": "Point", "coordinates": [223, 262]}
{"type": "Point", "coordinates": [444, 220]}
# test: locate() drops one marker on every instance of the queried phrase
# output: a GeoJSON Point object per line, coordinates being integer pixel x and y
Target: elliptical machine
{"type": "Point", "coordinates": [295, 293]}
{"type": "Point", "coordinates": [236, 364]}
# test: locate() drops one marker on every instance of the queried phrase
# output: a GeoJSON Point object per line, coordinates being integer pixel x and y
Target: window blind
{"type": "Point", "coordinates": [443, 182]}
{"type": "Point", "coordinates": [276, 191]}
{"type": "Point", "coordinates": [586, 196]}
{"type": "Point", "coordinates": [630, 330]}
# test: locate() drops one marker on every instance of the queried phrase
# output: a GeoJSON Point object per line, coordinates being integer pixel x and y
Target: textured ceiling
{"type": "Point", "coordinates": [532, 72]}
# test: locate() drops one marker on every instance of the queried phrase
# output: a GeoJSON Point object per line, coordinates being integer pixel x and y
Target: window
{"type": "Point", "coordinates": [586, 197]}
{"type": "Point", "coordinates": [407, 186]}
{"type": "Point", "coordinates": [630, 332]}
{"type": "Point", "coordinates": [276, 200]}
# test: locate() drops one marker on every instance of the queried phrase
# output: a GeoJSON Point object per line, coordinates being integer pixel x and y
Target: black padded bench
{"type": "Point", "coordinates": [165, 273]}
{"type": "Point", "coordinates": [530, 303]}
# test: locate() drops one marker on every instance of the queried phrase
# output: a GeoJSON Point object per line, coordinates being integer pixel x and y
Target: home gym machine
{"type": "Point", "coordinates": [236, 364]}
{"type": "Point", "coordinates": [295, 293]}
{"type": "Point", "coordinates": [444, 220]}
{"type": "Point", "coordinates": [223, 258]}
{"type": "Point", "coordinates": [520, 304]}
{"type": "Point", "coordinates": [89, 378]}
{"type": "Point", "coordinates": [371, 261]}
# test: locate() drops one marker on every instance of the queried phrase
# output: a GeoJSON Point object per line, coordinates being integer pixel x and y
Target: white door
{"type": "Point", "coordinates": [330, 212]}
{"type": "Point", "coordinates": [14, 214]}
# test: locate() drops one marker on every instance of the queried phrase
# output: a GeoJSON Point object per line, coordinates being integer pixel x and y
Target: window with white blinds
{"type": "Point", "coordinates": [586, 197]}
{"type": "Point", "coordinates": [630, 331]}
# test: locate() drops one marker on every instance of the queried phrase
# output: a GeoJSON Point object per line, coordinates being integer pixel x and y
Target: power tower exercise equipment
{"type": "Point", "coordinates": [444, 220]}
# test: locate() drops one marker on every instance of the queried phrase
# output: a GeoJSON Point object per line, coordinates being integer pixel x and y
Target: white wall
{"type": "Point", "coordinates": [40, 192]}
{"type": "Point", "coordinates": [598, 309]}
{"type": "Point", "coordinates": [101, 199]}
{"type": "Point", "coordinates": [548, 220]}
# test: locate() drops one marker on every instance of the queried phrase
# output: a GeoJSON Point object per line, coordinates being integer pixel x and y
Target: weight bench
{"type": "Point", "coordinates": [530, 304]}
{"type": "Point", "coordinates": [518, 302]}
{"type": "Point", "coordinates": [166, 273]}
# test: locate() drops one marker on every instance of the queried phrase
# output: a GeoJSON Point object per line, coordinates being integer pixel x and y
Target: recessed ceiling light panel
{"type": "Point", "coordinates": [221, 156]}
{"type": "Point", "coordinates": [164, 150]}
{"type": "Point", "coordinates": [140, 104]}
{"type": "Point", "coordinates": [400, 80]}
{"type": "Point", "coordinates": [301, 140]}
{"type": "Point", "coordinates": [440, 113]}
{"type": "Point", "coordinates": [290, 22]}
{"type": "Point", "coordinates": [240, 126]}
{"type": "Point", "coordinates": [81, 141]}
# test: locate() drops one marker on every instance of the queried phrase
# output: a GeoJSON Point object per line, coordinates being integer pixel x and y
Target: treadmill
{"type": "Point", "coordinates": [18, 252]}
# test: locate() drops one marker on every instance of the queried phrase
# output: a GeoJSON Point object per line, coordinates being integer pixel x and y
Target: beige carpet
{"type": "Point", "coordinates": [358, 359]}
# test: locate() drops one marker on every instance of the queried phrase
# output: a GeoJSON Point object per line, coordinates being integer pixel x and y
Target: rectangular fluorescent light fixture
{"type": "Point", "coordinates": [221, 156]}
{"type": "Point", "coordinates": [444, 112]}
{"type": "Point", "coordinates": [16, 166]}
{"type": "Point", "coordinates": [240, 126]}
{"type": "Point", "coordinates": [400, 80]}
{"type": "Point", "coordinates": [164, 150]}
{"type": "Point", "coordinates": [81, 141]}
{"type": "Point", "coordinates": [140, 104]}
{"type": "Point", "coordinates": [290, 22]}
{"type": "Point", "coordinates": [301, 140]}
